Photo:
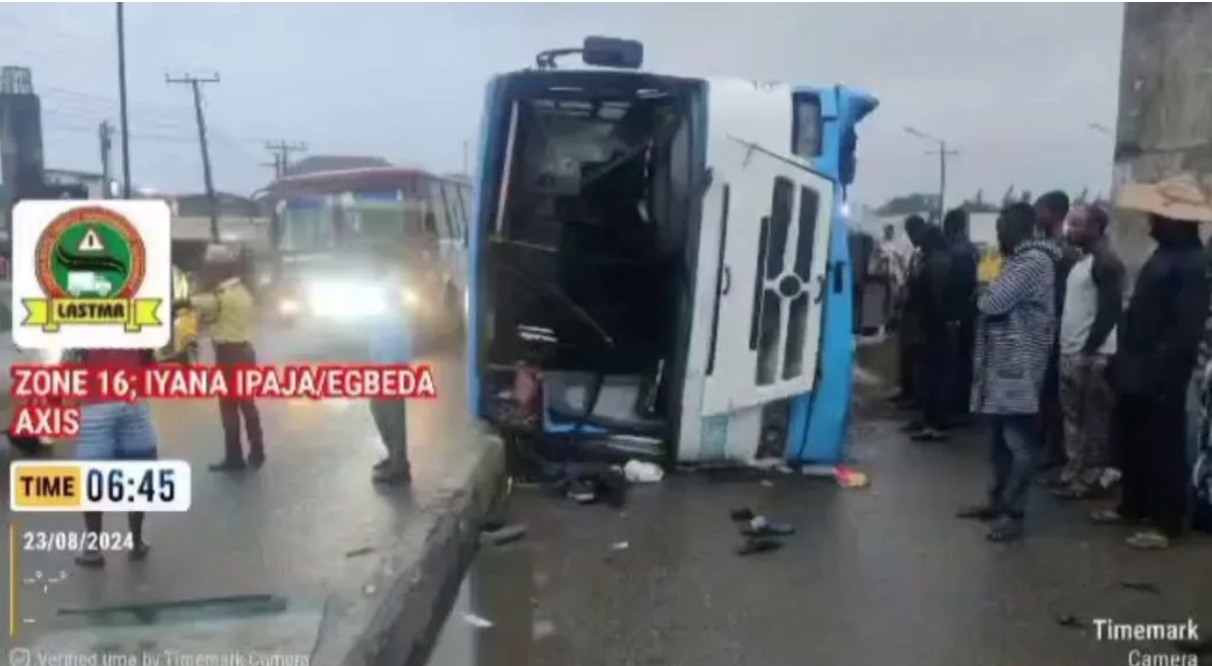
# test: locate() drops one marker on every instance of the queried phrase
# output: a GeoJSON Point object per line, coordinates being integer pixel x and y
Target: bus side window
{"type": "Point", "coordinates": [465, 199]}
{"type": "Point", "coordinates": [437, 206]}
{"type": "Point", "coordinates": [454, 192]}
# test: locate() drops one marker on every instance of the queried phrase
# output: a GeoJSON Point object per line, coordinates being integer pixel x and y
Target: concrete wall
{"type": "Point", "coordinates": [1165, 105]}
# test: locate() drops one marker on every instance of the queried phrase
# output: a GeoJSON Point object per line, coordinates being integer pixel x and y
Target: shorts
{"type": "Point", "coordinates": [116, 431]}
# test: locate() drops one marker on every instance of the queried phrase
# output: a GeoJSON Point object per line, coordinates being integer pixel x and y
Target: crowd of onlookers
{"type": "Point", "coordinates": [1094, 396]}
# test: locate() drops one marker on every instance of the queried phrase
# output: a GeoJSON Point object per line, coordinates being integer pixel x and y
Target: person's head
{"type": "Point", "coordinates": [1050, 211]}
{"type": "Point", "coordinates": [1086, 226]}
{"type": "Point", "coordinates": [915, 226]}
{"type": "Point", "coordinates": [955, 224]}
{"type": "Point", "coordinates": [1168, 231]}
{"type": "Point", "coordinates": [1015, 224]}
{"type": "Point", "coordinates": [889, 232]}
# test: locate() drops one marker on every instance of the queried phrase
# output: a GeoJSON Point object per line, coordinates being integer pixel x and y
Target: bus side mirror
{"type": "Point", "coordinates": [612, 52]}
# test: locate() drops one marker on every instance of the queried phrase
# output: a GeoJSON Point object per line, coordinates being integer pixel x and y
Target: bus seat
{"type": "Point", "coordinates": [618, 408]}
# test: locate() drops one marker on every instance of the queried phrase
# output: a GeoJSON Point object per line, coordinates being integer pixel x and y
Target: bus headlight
{"type": "Point", "coordinates": [288, 307]}
{"type": "Point", "coordinates": [342, 300]}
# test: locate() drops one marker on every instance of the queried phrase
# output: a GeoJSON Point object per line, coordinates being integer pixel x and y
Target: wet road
{"type": "Point", "coordinates": [306, 525]}
{"type": "Point", "coordinates": [883, 575]}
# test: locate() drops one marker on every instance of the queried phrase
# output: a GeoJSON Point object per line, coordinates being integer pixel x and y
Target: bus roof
{"type": "Point", "coordinates": [364, 179]}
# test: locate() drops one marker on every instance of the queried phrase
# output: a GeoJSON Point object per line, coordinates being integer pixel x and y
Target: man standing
{"type": "Point", "coordinates": [1013, 339]}
{"type": "Point", "coordinates": [910, 336]}
{"type": "Point", "coordinates": [961, 305]}
{"type": "Point", "coordinates": [391, 344]}
{"type": "Point", "coordinates": [229, 310]}
{"type": "Point", "coordinates": [115, 430]}
{"type": "Point", "coordinates": [1051, 210]}
{"type": "Point", "coordinates": [1094, 295]}
{"type": "Point", "coordinates": [1158, 345]}
{"type": "Point", "coordinates": [934, 376]}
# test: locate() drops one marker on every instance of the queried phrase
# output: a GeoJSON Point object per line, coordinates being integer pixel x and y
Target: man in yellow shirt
{"type": "Point", "coordinates": [230, 310]}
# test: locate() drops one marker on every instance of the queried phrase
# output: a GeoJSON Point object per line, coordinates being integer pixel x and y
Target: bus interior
{"type": "Point", "coordinates": [590, 258]}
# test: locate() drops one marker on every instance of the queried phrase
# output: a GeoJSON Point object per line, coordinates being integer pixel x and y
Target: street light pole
{"type": "Point", "coordinates": [123, 121]}
{"type": "Point", "coordinates": [943, 153]}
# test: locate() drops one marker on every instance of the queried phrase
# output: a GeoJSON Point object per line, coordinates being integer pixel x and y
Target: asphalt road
{"type": "Point", "coordinates": [883, 575]}
{"type": "Point", "coordinates": [300, 528]}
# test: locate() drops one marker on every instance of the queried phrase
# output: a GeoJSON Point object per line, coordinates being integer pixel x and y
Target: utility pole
{"type": "Point", "coordinates": [281, 151]}
{"type": "Point", "coordinates": [195, 85]}
{"type": "Point", "coordinates": [943, 153]}
{"type": "Point", "coordinates": [123, 120]}
{"type": "Point", "coordinates": [106, 133]}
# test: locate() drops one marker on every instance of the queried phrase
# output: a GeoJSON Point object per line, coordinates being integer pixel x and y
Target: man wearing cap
{"type": "Point", "coordinates": [1158, 345]}
{"type": "Point", "coordinates": [229, 309]}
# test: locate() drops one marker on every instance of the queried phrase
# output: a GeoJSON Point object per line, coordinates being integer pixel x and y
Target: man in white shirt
{"type": "Point", "coordinates": [1092, 307]}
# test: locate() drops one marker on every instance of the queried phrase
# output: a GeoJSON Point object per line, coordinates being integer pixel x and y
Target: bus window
{"type": "Point", "coordinates": [806, 126]}
{"type": "Point", "coordinates": [460, 213]}
{"type": "Point", "coordinates": [437, 208]}
{"type": "Point", "coordinates": [450, 204]}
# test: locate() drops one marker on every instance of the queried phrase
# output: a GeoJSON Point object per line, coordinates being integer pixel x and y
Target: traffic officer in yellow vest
{"type": "Point", "coordinates": [229, 311]}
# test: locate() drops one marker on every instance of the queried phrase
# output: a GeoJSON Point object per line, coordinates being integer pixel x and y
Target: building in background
{"type": "Point", "coordinates": [1165, 107]}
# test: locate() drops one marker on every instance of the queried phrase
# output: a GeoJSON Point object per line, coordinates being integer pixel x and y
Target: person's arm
{"type": "Point", "coordinates": [207, 304]}
{"type": "Point", "coordinates": [1180, 342]}
{"type": "Point", "coordinates": [1107, 272]}
{"type": "Point", "coordinates": [1009, 289]}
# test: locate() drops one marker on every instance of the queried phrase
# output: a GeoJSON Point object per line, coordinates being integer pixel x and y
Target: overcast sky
{"type": "Point", "coordinates": [1013, 86]}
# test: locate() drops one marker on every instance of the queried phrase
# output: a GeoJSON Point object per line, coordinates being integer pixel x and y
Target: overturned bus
{"type": "Point", "coordinates": [659, 263]}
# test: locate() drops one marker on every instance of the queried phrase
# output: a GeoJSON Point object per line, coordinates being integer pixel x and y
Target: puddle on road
{"type": "Point", "coordinates": [494, 621]}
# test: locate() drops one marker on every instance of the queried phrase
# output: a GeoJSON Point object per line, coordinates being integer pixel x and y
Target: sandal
{"type": "Point", "coordinates": [1149, 540]}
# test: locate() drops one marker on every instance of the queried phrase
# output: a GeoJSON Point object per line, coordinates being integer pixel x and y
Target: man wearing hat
{"type": "Point", "coordinates": [1158, 344]}
{"type": "Point", "coordinates": [229, 309]}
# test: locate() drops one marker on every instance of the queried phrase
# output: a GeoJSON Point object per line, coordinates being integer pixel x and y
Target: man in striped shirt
{"type": "Point", "coordinates": [1014, 337]}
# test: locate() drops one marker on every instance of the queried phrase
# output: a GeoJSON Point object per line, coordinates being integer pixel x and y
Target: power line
{"type": "Point", "coordinates": [281, 151]}
{"type": "Point", "coordinates": [195, 83]}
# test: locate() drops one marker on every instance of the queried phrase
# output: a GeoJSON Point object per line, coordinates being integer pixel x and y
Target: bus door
{"type": "Point", "coordinates": [772, 276]}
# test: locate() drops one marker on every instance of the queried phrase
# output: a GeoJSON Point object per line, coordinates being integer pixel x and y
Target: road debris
{"type": "Point", "coordinates": [759, 526]}
{"type": "Point", "coordinates": [500, 535]}
{"type": "Point", "coordinates": [620, 545]}
{"type": "Point", "coordinates": [477, 621]}
{"type": "Point", "coordinates": [1137, 586]}
{"type": "Point", "coordinates": [1070, 622]}
{"type": "Point", "coordinates": [359, 552]}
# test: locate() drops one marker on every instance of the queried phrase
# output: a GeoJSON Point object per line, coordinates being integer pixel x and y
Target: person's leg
{"type": "Point", "coordinates": [378, 411]}
{"type": "Point", "coordinates": [393, 428]}
{"type": "Point", "coordinates": [252, 415]}
{"type": "Point", "coordinates": [1131, 443]}
{"type": "Point", "coordinates": [227, 355]}
{"type": "Point", "coordinates": [137, 440]}
{"type": "Point", "coordinates": [999, 463]}
{"type": "Point", "coordinates": [1166, 485]}
{"type": "Point", "coordinates": [139, 549]}
{"type": "Point", "coordinates": [936, 375]}
{"type": "Point", "coordinates": [1020, 442]}
{"type": "Point", "coordinates": [1070, 377]}
{"type": "Point", "coordinates": [97, 440]}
